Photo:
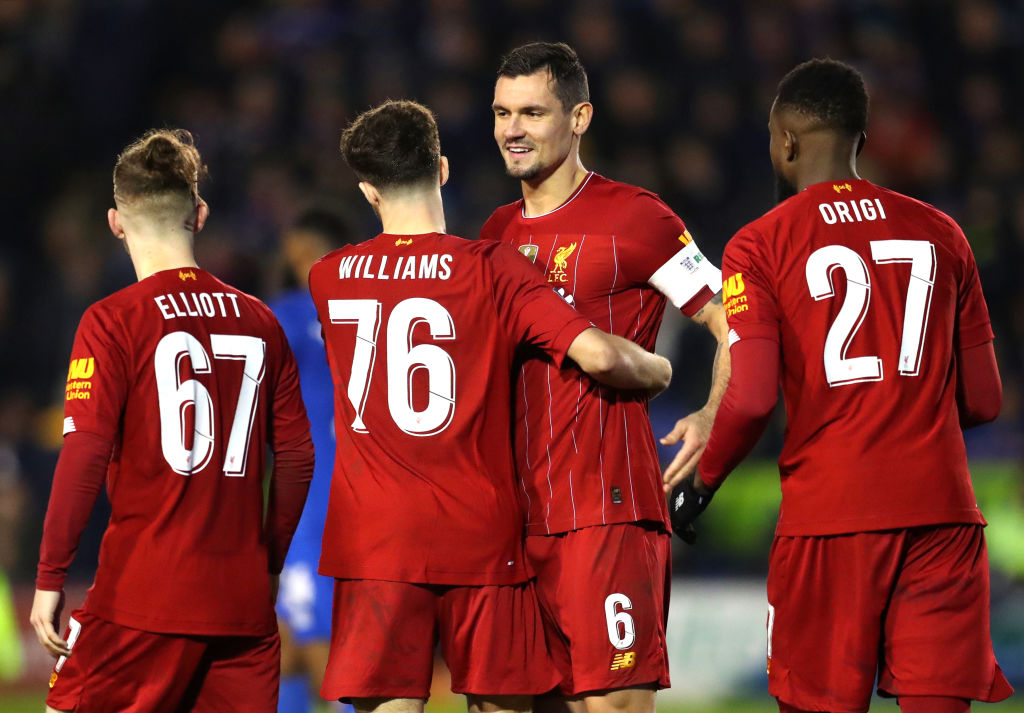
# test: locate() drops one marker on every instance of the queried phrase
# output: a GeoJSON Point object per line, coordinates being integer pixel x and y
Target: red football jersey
{"type": "Point", "coordinates": [189, 378]}
{"type": "Point", "coordinates": [586, 453]}
{"type": "Point", "coordinates": [421, 334]}
{"type": "Point", "coordinates": [868, 293]}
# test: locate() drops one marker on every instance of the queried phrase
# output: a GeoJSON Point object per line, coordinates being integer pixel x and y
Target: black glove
{"type": "Point", "coordinates": [684, 505]}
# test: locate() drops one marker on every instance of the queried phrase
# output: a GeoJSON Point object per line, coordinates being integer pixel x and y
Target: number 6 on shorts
{"type": "Point", "coordinates": [625, 638]}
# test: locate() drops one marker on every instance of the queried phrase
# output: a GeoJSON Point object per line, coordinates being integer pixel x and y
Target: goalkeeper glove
{"type": "Point", "coordinates": [685, 504]}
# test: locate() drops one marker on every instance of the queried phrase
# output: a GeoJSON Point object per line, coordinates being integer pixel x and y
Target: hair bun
{"type": "Point", "coordinates": [162, 161]}
{"type": "Point", "coordinates": [161, 154]}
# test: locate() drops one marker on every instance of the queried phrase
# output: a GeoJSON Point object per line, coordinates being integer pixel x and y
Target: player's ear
{"type": "Point", "coordinates": [444, 170]}
{"type": "Point", "coordinates": [789, 148]}
{"type": "Point", "coordinates": [581, 115]}
{"type": "Point", "coordinates": [860, 143]}
{"type": "Point", "coordinates": [197, 220]}
{"type": "Point", "coordinates": [114, 221]}
{"type": "Point", "coordinates": [371, 194]}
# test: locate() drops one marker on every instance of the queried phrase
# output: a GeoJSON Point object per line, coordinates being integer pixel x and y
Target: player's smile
{"type": "Point", "coordinates": [517, 151]}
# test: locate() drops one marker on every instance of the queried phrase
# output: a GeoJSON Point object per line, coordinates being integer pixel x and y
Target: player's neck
{"type": "Point", "coordinates": [412, 214]}
{"type": "Point", "coordinates": [832, 162]}
{"type": "Point", "coordinates": [829, 173]}
{"type": "Point", "coordinates": [544, 195]}
{"type": "Point", "coordinates": [152, 254]}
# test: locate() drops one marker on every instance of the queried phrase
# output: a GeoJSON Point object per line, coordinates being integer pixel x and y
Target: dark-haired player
{"type": "Point", "coordinates": [592, 485]}
{"type": "Point", "coordinates": [866, 305]}
{"type": "Point", "coordinates": [176, 387]}
{"type": "Point", "coordinates": [304, 599]}
{"type": "Point", "coordinates": [424, 530]}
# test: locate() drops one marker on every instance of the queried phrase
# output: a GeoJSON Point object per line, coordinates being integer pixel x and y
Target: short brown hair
{"type": "Point", "coordinates": [568, 78]}
{"type": "Point", "coordinates": [162, 163]}
{"type": "Point", "coordinates": [394, 144]}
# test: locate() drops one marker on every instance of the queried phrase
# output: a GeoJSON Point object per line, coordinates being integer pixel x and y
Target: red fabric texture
{"type": "Point", "coordinates": [912, 604]}
{"type": "Point", "coordinates": [979, 393]}
{"type": "Point", "coordinates": [289, 485]}
{"type": "Point", "coordinates": [745, 409]}
{"type": "Point", "coordinates": [77, 481]}
{"type": "Point", "coordinates": [117, 669]}
{"type": "Point", "coordinates": [422, 332]}
{"type": "Point", "coordinates": [491, 638]}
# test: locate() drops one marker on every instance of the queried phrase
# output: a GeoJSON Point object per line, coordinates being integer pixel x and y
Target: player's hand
{"type": "Point", "coordinates": [693, 431]}
{"type": "Point", "coordinates": [688, 500]}
{"type": "Point", "coordinates": [45, 619]}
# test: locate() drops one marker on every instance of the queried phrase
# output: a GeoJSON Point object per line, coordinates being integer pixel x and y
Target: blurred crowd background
{"type": "Point", "coordinates": [681, 90]}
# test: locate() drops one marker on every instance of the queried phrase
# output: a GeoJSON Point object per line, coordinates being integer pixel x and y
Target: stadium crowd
{"type": "Point", "coordinates": [681, 88]}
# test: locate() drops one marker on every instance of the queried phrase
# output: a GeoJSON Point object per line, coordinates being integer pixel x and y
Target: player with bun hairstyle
{"type": "Point", "coordinates": [176, 387]}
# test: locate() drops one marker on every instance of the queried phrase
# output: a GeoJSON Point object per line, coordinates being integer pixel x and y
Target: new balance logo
{"type": "Point", "coordinates": [625, 660]}
{"type": "Point", "coordinates": [69, 425]}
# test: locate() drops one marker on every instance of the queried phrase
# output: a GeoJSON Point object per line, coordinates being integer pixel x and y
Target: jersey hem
{"type": "Point", "coordinates": [419, 576]}
{"type": "Point", "coordinates": [892, 522]}
{"type": "Point", "coordinates": [193, 628]}
{"type": "Point", "coordinates": [568, 525]}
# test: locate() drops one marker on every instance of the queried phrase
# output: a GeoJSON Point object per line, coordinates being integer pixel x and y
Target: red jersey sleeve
{"type": "Point", "coordinates": [662, 253]}
{"type": "Point", "coordinates": [491, 230]}
{"type": "Point", "coordinates": [292, 445]}
{"type": "Point", "coordinates": [98, 378]}
{"type": "Point", "coordinates": [77, 481]}
{"type": "Point", "coordinates": [973, 324]}
{"type": "Point", "coordinates": [532, 312]}
{"type": "Point", "coordinates": [750, 302]}
{"type": "Point", "coordinates": [745, 410]}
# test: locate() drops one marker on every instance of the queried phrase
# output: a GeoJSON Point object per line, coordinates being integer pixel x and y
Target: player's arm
{"type": "Point", "coordinates": [81, 469]}
{"type": "Point", "coordinates": [979, 392]}
{"type": "Point", "coordinates": [742, 417]}
{"type": "Point", "coordinates": [752, 390]}
{"type": "Point", "coordinates": [99, 364]}
{"type": "Point", "coordinates": [618, 362]}
{"type": "Point", "coordinates": [535, 314]}
{"type": "Point", "coordinates": [292, 447]}
{"type": "Point", "coordinates": [695, 429]}
{"type": "Point", "coordinates": [670, 261]}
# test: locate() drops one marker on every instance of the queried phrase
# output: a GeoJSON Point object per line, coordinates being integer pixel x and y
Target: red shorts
{"type": "Point", "coordinates": [911, 605]}
{"type": "Point", "coordinates": [604, 596]}
{"type": "Point", "coordinates": [115, 668]}
{"type": "Point", "coordinates": [384, 634]}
